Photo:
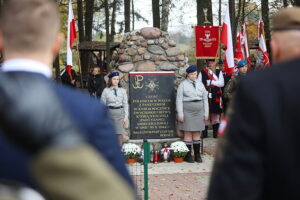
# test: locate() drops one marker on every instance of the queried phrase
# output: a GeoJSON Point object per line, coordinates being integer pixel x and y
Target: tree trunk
{"type": "Point", "coordinates": [238, 16]}
{"type": "Point", "coordinates": [127, 15]}
{"type": "Point", "coordinates": [243, 10]}
{"type": "Point", "coordinates": [200, 20]}
{"type": "Point", "coordinates": [132, 8]}
{"type": "Point", "coordinates": [156, 13]}
{"type": "Point", "coordinates": [81, 38]}
{"type": "Point", "coordinates": [107, 36]}
{"type": "Point", "coordinates": [209, 12]}
{"type": "Point", "coordinates": [113, 21]}
{"type": "Point", "coordinates": [231, 4]}
{"type": "Point", "coordinates": [201, 4]}
{"type": "Point", "coordinates": [80, 20]}
{"type": "Point", "coordinates": [88, 19]}
{"type": "Point", "coordinates": [265, 18]}
{"type": "Point", "coordinates": [165, 15]}
{"type": "Point", "coordinates": [89, 8]}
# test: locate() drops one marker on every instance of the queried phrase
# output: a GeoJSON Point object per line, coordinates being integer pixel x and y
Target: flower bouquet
{"type": "Point", "coordinates": [178, 150]}
{"type": "Point", "coordinates": [131, 151]}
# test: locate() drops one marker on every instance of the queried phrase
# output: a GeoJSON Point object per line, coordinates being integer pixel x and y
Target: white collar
{"type": "Point", "coordinates": [27, 65]}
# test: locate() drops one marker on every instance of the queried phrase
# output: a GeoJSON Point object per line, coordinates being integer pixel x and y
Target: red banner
{"type": "Point", "coordinates": [207, 41]}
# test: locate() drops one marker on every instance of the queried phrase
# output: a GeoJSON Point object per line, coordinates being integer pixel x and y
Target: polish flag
{"type": "Point", "coordinates": [263, 57]}
{"type": "Point", "coordinates": [226, 40]}
{"type": "Point", "coordinates": [239, 53]}
{"type": "Point", "coordinates": [245, 46]}
{"type": "Point", "coordinates": [70, 39]}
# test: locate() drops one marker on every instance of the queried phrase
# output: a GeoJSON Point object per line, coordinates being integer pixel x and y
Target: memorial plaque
{"type": "Point", "coordinates": [152, 105]}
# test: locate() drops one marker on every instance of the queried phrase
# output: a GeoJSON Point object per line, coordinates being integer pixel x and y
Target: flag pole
{"type": "Point", "coordinates": [79, 64]}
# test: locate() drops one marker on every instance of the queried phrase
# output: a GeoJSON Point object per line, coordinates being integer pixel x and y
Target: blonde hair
{"type": "Point", "coordinates": [29, 25]}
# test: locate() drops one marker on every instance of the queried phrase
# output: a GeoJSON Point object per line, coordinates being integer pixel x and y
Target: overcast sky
{"type": "Point", "coordinates": [182, 17]}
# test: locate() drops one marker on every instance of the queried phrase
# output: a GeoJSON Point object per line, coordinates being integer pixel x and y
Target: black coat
{"type": "Point", "coordinates": [96, 84]}
{"type": "Point", "coordinates": [260, 156]}
{"type": "Point", "coordinates": [66, 79]}
{"type": "Point", "coordinates": [216, 93]}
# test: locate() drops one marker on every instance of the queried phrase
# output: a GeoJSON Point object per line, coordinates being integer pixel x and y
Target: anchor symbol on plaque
{"type": "Point", "coordinates": [137, 82]}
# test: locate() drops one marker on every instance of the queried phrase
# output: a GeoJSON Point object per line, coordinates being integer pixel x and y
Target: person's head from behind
{"type": "Point", "coordinates": [96, 71]}
{"type": "Point", "coordinates": [285, 43]}
{"type": "Point", "coordinates": [30, 29]}
{"type": "Point", "coordinates": [113, 80]}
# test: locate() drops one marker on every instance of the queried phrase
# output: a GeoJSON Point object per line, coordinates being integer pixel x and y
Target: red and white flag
{"type": "Point", "coordinates": [262, 54]}
{"type": "Point", "coordinates": [226, 40]}
{"type": "Point", "coordinates": [70, 39]}
{"type": "Point", "coordinates": [239, 52]}
{"type": "Point", "coordinates": [245, 46]}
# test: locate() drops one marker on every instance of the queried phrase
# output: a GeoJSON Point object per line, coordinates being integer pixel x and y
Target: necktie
{"type": "Point", "coordinates": [115, 90]}
{"type": "Point", "coordinates": [194, 84]}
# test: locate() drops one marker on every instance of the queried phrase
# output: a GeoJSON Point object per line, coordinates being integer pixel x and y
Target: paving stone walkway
{"type": "Point", "coordinates": [177, 181]}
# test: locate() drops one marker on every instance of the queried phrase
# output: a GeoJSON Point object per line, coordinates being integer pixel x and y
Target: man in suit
{"type": "Point", "coordinates": [54, 143]}
{"type": "Point", "coordinates": [29, 47]}
{"type": "Point", "coordinates": [258, 156]}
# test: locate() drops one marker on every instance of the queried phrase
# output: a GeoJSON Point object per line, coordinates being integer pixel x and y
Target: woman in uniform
{"type": "Point", "coordinates": [116, 100]}
{"type": "Point", "coordinates": [192, 108]}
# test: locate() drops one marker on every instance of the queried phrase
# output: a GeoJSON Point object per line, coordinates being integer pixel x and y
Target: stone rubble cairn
{"type": "Point", "coordinates": [148, 49]}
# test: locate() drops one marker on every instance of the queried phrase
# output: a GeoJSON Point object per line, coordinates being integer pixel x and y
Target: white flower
{"type": "Point", "coordinates": [179, 146]}
{"type": "Point", "coordinates": [128, 148]}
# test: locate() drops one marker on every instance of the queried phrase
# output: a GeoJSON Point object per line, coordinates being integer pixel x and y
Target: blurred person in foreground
{"type": "Point", "coordinates": [258, 156]}
{"type": "Point", "coordinates": [29, 48]}
{"type": "Point", "coordinates": [35, 123]}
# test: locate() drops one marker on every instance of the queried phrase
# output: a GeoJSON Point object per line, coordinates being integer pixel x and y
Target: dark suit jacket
{"type": "Point", "coordinates": [92, 118]}
{"type": "Point", "coordinates": [260, 153]}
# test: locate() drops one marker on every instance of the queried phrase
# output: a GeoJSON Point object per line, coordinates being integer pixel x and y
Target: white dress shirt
{"type": "Point", "coordinates": [26, 65]}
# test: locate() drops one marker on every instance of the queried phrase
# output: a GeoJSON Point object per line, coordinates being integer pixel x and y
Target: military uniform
{"type": "Point", "coordinates": [230, 87]}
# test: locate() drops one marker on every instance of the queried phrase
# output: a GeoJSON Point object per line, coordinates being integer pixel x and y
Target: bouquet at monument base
{"type": "Point", "coordinates": [131, 151]}
{"type": "Point", "coordinates": [178, 149]}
